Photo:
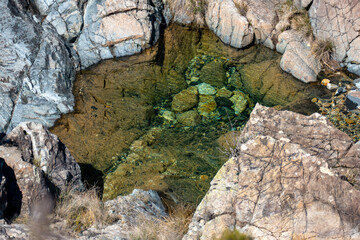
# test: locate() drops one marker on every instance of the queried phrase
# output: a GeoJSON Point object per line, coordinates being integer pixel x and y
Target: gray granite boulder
{"type": "Point", "coordinates": [117, 28]}
{"type": "Point", "coordinates": [36, 70]}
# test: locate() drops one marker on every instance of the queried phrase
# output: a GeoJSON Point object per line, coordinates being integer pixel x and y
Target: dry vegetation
{"type": "Point", "coordinates": [172, 227]}
{"type": "Point", "coordinates": [234, 235]}
{"type": "Point", "coordinates": [81, 210]}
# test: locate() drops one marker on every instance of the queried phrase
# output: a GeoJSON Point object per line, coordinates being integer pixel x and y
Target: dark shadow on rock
{"type": "Point", "coordinates": [14, 195]}
{"type": "Point", "coordinates": [92, 177]}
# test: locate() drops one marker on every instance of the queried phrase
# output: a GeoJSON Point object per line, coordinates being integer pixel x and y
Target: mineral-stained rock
{"type": "Point", "coordinates": [185, 100]}
{"type": "Point", "coordinates": [298, 58]}
{"type": "Point", "coordinates": [207, 105]}
{"type": "Point", "coordinates": [284, 181]}
{"type": "Point", "coordinates": [225, 21]}
{"type": "Point", "coordinates": [36, 70]}
{"type": "Point", "coordinates": [44, 149]}
{"type": "Point", "coordinates": [240, 102]}
{"type": "Point", "coordinates": [339, 22]}
{"type": "Point", "coordinates": [117, 28]}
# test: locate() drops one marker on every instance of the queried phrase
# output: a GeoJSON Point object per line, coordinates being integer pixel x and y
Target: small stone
{"type": "Point", "coordinates": [223, 92]}
{"type": "Point", "coordinates": [325, 82]}
{"type": "Point", "coordinates": [189, 119]}
{"type": "Point", "coordinates": [207, 104]}
{"type": "Point", "coordinates": [349, 121]}
{"type": "Point", "coordinates": [353, 99]}
{"type": "Point", "coordinates": [340, 90]}
{"type": "Point", "coordinates": [357, 83]}
{"type": "Point", "coordinates": [206, 89]}
{"type": "Point", "coordinates": [184, 100]}
{"type": "Point", "coordinates": [314, 100]}
{"type": "Point", "coordinates": [169, 116]}
{"type": "Point", "coordinates": [331, 86]}
{"type": "Point", "coordinates": [204, 177]}
{"type": "Point", "coordinates": [240, 102]}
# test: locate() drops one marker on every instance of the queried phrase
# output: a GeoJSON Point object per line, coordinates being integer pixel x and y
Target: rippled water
{"type": "Point", "coordinates": [117, 133]}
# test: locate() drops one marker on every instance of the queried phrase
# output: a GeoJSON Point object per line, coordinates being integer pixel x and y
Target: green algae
{"type": "Point", "coordinates": [116, 130]}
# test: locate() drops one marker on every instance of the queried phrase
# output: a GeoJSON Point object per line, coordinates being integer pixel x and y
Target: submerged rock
{"type": "Point", "coordinates": [188, 119]}
{"type": "Point", "coordinates": [185, 100]}
{"type": "Point", "coordinates": [290, 172]}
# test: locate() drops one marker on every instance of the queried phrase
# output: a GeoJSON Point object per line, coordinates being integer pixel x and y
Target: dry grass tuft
{"type": "Point", "coordinates": [172, 227]}
{"type": "Point", "coordinates": [81, 210]}
{"type": "Point", "coordinates": [323, 50]}
{"type": "Point", "coordinates": [301, 22]}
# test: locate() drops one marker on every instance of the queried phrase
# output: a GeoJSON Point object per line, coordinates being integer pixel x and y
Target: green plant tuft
{"type": "Point", "coordinates": [234, 235]}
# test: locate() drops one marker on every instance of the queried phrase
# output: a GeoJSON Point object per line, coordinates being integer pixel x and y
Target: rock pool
{"type": "Point", "coordinates": [126, 131]}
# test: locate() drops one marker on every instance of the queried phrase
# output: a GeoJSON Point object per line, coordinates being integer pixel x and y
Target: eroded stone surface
{"type": "Point", "coordinates": [43, 149]}
{"type": "Point", "coordinates": [225, 21]}
{"type": "Point", "coordinates": [117, 28]}
{"type": "Point", "coordinates": [36, 70]}
{"type": "Point", "coordinates": [287, 177]}
{"type": "Point", "coordinates": [339, 21]}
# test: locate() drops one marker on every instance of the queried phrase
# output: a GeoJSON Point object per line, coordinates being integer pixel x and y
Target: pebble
{"type": "Point", "coordinates": [357, 83]}
{"type": "Point", "coordinates": [332, 86]}
{"type": "Point", "coordinates": [206, 89]}
{"type": "Point", "coordinates": [340, 90]}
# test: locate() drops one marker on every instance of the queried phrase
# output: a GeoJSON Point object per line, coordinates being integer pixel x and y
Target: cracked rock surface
{"type": "Point", "coordinates": [291, 173]}
{"type": "Point", "coordinates": [339, 21]}
{"type": "Point", "coordinates": [117, 28]}
{"type": "Point", "coordinates": [36, 69]}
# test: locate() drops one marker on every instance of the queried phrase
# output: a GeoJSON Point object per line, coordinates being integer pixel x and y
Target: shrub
{"type": "Point", "coordinates": [234, 235]}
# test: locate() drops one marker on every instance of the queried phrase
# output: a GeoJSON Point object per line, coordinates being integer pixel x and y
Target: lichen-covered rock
{"type": "Point", "coordinates": [338, 21]}
{"type": "Point", "coordinates": [43, 149]}
{"type": "Point", "coordinates": [298, 58]}
{"type": "Point", "coordinates": [64, 15]}
{"type": "Point", "coordinates": [226, 22]}
{"type": "Point", "coordinates": [117, 28]}
{"type": "Point", "coordinates": [290, 174]}
{"type": "Point", "coordinates": [36, 70]}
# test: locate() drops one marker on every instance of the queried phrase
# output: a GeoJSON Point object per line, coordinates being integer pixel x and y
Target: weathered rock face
{"type": "Point", "coordinates": [292, 172]}
{"type": "Point", "coordinates": [36, 70]}
{"type": "Point", "coordinates": [117, 28]}
{"type": "Point", "coordinates": [298, 58]}
{"type": "Point", "coordinates": [43, 149]}
{"type": "Point", "coordinates": [26, 184]}
{"type": "Point", "coordinates": [223, 18]}
{"type": "Point", "coordinates": [339, 22]}
{"type": "Point", "coordinates": [64, 15]}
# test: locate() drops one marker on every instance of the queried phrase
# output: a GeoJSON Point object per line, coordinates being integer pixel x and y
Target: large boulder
{"type": "Point", "coordinates": [43, 149]}
{"type": "Point", "coordinates": [36, 70]}
{"type": "Point", "coordinates": [338, 21]}
{"type": "Point", "coordinates": [117, 28]}
{"type": "Point", "coordinates": [223, 18]}
{"type": "Point", "coordinates": [298, 58]}
{"type": "Point", "coordinates": [289, 174]}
